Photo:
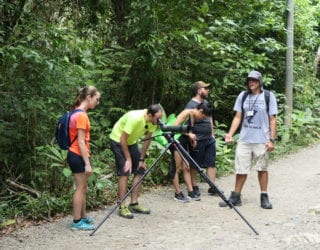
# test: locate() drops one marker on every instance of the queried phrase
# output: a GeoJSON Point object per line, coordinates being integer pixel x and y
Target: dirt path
{"type": "Point", "coordinates": [293, 223]}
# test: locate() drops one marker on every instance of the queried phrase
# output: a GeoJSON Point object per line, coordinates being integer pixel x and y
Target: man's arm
{"type": "Point", "coordinates": [125, 150]}
{"type": "Point", "coordinates": [273, 126]}
{"type": "Point", "coordinates": [124, 145]}
{"type": "Point", "coordinates": [234, 126]}
{"type": "Point", "coordinates": [273, 129]}
{"type": "Point", "coordinates": [212, 127]}
{"type": "Point", "coordinates": [145, 145]}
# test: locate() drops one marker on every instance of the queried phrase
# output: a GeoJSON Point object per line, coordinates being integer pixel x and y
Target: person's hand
{"type": "Point", "coordinates": [193, 139]}
{"type": "Point", "coordinates": [88, 170]}
{"type": "Point", "coordinates": [127, 166]}
{"type": "Point", "coordinates": [142, 164]}
{"type": "Point", "coordinates": [270, 146]}
{"type": "Point", "coordinates": [186, 166]}
{"type": "Point", "coordinates": [228, 138]}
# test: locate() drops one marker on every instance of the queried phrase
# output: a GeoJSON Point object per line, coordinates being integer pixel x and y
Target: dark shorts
{"type": "Point", "coordinates": [76, 163]}
{"type": "Point", "coordinates": [120, 159]}
{"type": "Point", "coordinates": [205, 153]}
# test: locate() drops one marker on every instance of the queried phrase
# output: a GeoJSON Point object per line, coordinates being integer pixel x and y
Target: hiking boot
{"type": "Point", "coordinates": [81, 226]}
{"type": "Point", "coordinates": [87, 220]}
{"type": "Point", "coordinates": [265, 201]}
{"type": "Point", "coordinates": [125, 212]}
{"type": "Point", "coordinates": [192, 196]}
{"type": "Point", "coordinates": [180, 197]}
{"type": "Point", "coordinates": [235, 199]}
{"type": "Point", "coordinates": [136, 208]}
{"type": "Point", "coordinates": [213, 192]}
{"type": "Point", "coordinates": [196, 191]}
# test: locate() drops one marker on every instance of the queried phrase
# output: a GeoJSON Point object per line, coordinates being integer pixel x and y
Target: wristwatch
{"type": "Point", "coordinates": [272, 140]}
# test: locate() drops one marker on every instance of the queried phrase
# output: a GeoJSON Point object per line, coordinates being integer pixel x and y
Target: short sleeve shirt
{"type": "Point", "coordinates": [255, 126]}
{"type": "Point", "coordinates": [134, 124]}
{"type": "Point", "coordinates": [79, 120]}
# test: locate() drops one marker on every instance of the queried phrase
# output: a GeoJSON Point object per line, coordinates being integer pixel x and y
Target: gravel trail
{"type": "Point", "coordinates": [293, 223]}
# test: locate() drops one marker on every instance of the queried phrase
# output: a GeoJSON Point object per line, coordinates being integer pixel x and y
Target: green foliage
{"type": "Point", "coordinates": [28, 207]}
{"type": "Point", "coordinates": [224, 152]}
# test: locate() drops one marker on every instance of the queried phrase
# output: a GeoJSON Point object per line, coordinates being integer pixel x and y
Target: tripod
{"type": "Point", "coordinates": [173, 143]}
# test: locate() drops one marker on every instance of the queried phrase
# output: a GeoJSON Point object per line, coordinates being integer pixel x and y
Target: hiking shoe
{"type": "Point", "coordinates": [125, 212]}
{"type": "Point", "coordinates": [87, 220]}
{"type": "Point", "coordinates": [213, 192]}
{"type": "Point", "coordinates": [136, 208]}
{"type": "Point", "coordinates": [265, 201]}
{"type": "Point", "coordinates": [81, 226]}
{"type": "Point", "coordinates": [235, 199]}
{"type": "Point", "coordinates": [196, 190]}
{"type": "Point", "coordinates": [192, 196]}
{"type": "Point", "coordinates": [180, 197]}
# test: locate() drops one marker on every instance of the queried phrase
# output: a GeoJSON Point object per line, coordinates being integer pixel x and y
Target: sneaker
{"type": "Point", "coordinates": [81, 226]}
{"type": "Point", "coordinates": [180, 197]}
{"type": "Point", "coordinates": [125, 212]}
{"type": "Point", "coordinates": [196, 191]}
{"type": "Point", "coordinates": [87, 220]}
{"type": "Point", "coordinates": [192, 196]}
{"type": "Point", "coordinates": [136, 208]}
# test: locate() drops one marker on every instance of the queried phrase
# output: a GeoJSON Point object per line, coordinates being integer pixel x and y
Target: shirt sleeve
{"type": "Point", "coordinates": [82, 121]}
{"type": "Point", "coordinates": [273, 107]}
{"type": "Point", "coordinates": [238, 104]}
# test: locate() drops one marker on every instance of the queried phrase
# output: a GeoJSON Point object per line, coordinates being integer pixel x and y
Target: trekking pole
{"type": "Point", "coordinates": [186, 155]}
{"type": "Point", "coordinates": [131, 189]}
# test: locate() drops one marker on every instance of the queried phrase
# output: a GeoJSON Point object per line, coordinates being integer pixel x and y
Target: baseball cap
{"type": "Point", "coordinates": [201, 84]}
{"type": "Point", "coordinates": [255, 75]}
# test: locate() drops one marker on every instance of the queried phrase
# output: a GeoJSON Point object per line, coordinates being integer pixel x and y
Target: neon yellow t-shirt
{"type": "Point", "coordinates": [134, 124]}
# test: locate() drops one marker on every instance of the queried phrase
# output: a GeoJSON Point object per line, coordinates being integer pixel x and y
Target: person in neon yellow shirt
{"type": "Point", "coordinates": [129, 159]}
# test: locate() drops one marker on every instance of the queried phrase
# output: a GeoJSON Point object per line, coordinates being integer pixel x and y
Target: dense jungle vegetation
{"type": "Point", "coordinates": [137, 52]}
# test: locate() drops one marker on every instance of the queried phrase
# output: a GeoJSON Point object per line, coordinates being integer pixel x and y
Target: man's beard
{"type": "Point", "coordinates": [203, 96]}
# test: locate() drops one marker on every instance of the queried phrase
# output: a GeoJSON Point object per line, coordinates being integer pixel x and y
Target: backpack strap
{"type": "Point", "coordinates": [267, 99]}
{"type": "Point", "coordinates": [73, 112]}
{"type": "Point", "coordinates": [245, 94]}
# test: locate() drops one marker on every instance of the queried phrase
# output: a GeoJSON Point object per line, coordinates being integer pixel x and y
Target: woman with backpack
{"type": "Point", "coordinates": [79, 154]}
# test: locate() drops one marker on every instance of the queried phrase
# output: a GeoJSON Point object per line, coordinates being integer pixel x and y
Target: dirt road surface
{"type": "Point", "coordinates": [293, 223]}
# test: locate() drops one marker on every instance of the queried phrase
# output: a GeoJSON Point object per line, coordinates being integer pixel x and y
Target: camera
{"type": "Point", "coordinates": [170, 128]}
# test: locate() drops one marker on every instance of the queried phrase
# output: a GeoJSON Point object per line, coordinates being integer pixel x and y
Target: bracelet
{"type": "Point", "coordinates": [141, 159]}
{"type": "Point", "coordinates": [272, 140]}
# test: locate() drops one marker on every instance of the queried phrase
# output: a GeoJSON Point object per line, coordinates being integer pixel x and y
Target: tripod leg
{"type": "Point", "coordinates": [192, 162]}
{"type": "Point", "coordinates": [131, 189]}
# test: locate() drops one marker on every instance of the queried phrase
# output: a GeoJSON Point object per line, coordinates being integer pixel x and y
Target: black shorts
{"type": "Point", "coordinates": [204, 153]}
{"type": "Point", "coordinates": [120, 159]}
{"type": "Point", "coordinates": [76, 162]}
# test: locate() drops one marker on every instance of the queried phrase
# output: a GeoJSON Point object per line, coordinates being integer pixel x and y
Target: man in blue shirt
{"type": "Point", "coordinates": [257, 135]}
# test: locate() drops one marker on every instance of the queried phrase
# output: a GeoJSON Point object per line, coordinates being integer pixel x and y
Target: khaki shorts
{"type": "Point", "coordinates": [251, 155]}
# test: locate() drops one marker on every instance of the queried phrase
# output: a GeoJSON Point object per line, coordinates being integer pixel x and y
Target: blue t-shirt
{"type": "Point", "coordinates": [255, 126]}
